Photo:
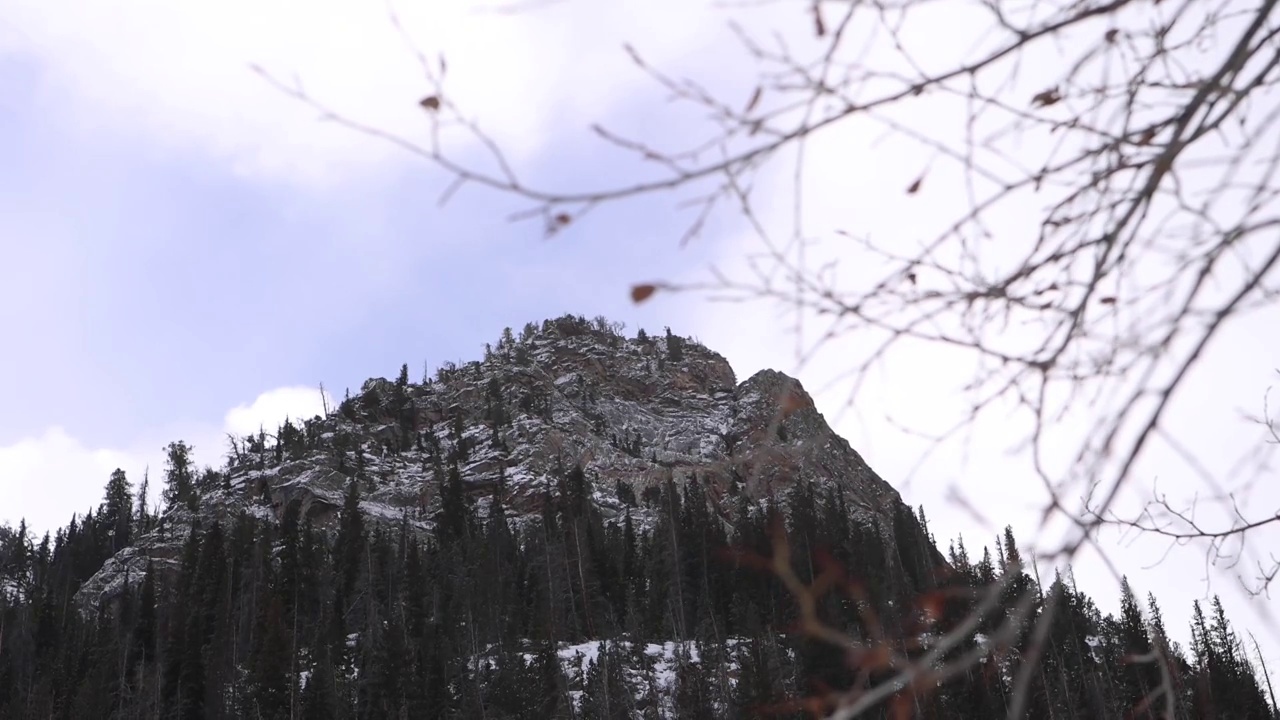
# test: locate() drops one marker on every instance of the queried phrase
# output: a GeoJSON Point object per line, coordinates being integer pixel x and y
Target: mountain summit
{"type": "Point", "coordinates": [579, 525]}
{"type": "Point", "coordinates": [632, 412]}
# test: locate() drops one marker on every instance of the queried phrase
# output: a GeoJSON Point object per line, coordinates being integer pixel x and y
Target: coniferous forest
{"type": "Point", "coordinates": [227, 602]}
{"type": "Point", "coordinates": [565, 618]}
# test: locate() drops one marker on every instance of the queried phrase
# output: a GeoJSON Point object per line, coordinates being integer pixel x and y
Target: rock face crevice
{"type": "Point", "coordinates": [634, 412]}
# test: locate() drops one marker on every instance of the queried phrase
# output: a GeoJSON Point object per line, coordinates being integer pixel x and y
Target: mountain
{"type": "Point", "coordinates": [580, 525]}
{"type": "Point", "coordinates": [633, 412]}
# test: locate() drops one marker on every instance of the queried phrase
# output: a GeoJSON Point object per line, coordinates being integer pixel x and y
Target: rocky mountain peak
{"type": "Point", "coordinates": [571, 526]}
{"type": "Point", "coordinates": [633, 412]}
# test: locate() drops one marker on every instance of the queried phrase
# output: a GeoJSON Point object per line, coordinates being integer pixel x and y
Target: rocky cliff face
{"type": "Point", "coordinates": [632, 412]}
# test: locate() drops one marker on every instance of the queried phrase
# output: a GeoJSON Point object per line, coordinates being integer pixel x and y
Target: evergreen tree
{"type": "Point", "coordinates": [675, 347]}
{"type": "Point", "coordinates": [349, 544]}
{"type": "Point", "coordinates": [319, 699]}
{"type": "Point", "coordinates": [694, 692]}
{"type": "Point", "coordinates": [179, 474]}
{"type": "Point", "coordinates": [142, 520]}
{"type": "Point", "coordinates": [1140, 676]}
{"type": "Point", "coordinates": [116, 512]}
{"type": "Point", "coordinates": [369, 617]}
{"type": "Point", "coordinates": [270, 663]}
{"type": "Point", "coordinates": [455, 508]}
{"type": "Point", "coordinates": [144, 631]}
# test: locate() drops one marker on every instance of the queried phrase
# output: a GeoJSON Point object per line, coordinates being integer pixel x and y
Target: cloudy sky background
{"type": "Point", "coordinates": [185, 252]}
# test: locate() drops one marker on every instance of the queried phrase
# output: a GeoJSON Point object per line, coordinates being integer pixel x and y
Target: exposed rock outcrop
{"type": "Point", "coordinates": [633, 412]}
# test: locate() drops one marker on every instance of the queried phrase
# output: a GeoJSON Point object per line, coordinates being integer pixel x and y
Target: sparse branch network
{"type": "Point", "coordinates": [1119, 211]}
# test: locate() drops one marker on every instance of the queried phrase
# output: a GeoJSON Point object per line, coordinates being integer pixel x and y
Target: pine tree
{"type": "Point", "coordinates": [370, 619]}
{"type": "Point", "coordinates": [182, 669]}
{"type": "Point", "coordinates": [142, 521]}
{"type": "Point", "coordinates": [675, 347]}
{"type": "Point", "coordinates": [1173, 665]}
{"type": "Point", "coordinates": [144, 631]}
{"type": "Point", "coordinates": [693, 692]}
{"type": "Point", "coordinates": [455, 508]}
{"type": "Point", "coordinates": [1140, 676]}
{"type": "Point", "coordinates": [116, 512]}
{"type": "Point", "coordinates": [349, 544]}
{"type": "Point", "coordinates": [179, 474]}
{"type": "Point", "coordinates": [270, 663]}
{"type": "Point", "coordinates": [319, 700]}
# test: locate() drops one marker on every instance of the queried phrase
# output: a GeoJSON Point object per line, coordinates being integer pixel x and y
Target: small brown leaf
{"type": "Point", "coordinates": [911, 276]}
{"type": "Point", "coordinates": [1046, 98]}
{"type": "Point", "coordinates": [755, 99]}
{"type": "Point", "coordinates": [640, 293]}
{"type": "Point", "coordinates": [818, 25]}
{"type": "Point", "coordinates": [914, 187]}
{"type": "Point", "coordinates": [1111, 35]}
{"type": "Point", "coordinates": [430, 102]}
{"type": "Point", "coordinates": [1108, 300]}
{"type": "Point", "coordinates": [562, 219]}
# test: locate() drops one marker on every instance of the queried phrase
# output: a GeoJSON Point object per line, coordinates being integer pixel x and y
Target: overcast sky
{"type": "Point", "coordinates": [185, 252]}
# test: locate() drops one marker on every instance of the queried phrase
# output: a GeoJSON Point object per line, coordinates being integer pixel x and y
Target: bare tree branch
{"type": "Point", "coordinates": [1086, 276]}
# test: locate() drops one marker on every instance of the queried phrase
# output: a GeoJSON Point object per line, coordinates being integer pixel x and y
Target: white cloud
{"type": "Point", "coordinates": [271, 408]}
{"type": "Point", "coordinates": [45, 478]}
{"type": "Point", "coordinates": [178, 74]}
